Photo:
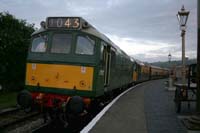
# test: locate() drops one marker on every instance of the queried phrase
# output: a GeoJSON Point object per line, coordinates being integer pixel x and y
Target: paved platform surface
{"type": "Point", "coordinates": [149, 108]}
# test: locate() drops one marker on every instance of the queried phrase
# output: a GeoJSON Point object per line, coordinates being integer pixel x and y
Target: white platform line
{"type": "Point", "coordinates": [87, 128]}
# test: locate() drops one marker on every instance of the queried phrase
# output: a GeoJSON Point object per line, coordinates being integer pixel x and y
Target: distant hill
{"type": "Point", "coordinates": [173, 63]}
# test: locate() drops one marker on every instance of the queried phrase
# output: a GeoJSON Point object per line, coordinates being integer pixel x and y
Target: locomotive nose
{"type": "Point", "coordinates": [24, 99]}
{"type": "Point", "coordinates": [75, 105]}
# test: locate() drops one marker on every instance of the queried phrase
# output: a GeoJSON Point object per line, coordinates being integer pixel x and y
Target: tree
{"type": "Point", "coordinates": [14, 40]}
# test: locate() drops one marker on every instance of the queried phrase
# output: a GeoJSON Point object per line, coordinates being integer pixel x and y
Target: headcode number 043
{"type": "Point", "coordinates": [74, 25]}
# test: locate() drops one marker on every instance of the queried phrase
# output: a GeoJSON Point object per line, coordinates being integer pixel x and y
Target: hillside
{"type": "Point", "coordinates": [173, 63]}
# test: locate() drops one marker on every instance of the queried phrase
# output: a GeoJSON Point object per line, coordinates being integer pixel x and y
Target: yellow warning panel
{"type": "Point", "coordinates": [59, 76]}
{"type": "Point", "coordinates": [134, 76]}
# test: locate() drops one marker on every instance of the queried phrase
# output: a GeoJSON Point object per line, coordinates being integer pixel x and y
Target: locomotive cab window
{"type": "Point", "coordinates": [61, 43]}
{"type": "Point", "coordinates": [39, 44]}
{"type": "Point", "coordinates": [85, 45]}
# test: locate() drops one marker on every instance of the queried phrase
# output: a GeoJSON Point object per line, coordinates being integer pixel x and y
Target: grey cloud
{"type": "Point", "coordinates": [153, 20]}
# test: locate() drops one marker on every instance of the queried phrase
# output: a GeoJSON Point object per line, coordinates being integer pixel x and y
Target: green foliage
{"type": "Point", "coordinates": [8, 99]}
{"type": "Point", "coordinates": [14, 40]}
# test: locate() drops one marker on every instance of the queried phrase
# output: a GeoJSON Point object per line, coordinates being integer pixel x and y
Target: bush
{"type": "Point", "coordinates": [14, 40]}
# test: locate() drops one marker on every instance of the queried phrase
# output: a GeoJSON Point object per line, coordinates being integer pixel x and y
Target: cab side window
{"type": "Point", "coordinates": [39, 44]}
{"type": "Point", "coordinates": [85, 45]}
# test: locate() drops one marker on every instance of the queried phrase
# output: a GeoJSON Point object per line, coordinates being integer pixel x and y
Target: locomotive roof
{"type": "Point", "coordinates": [139, 62]}
{"type": "Point", "coordinates": [146, 64]}
{"type": "Point", "coordinates": [90, 30]}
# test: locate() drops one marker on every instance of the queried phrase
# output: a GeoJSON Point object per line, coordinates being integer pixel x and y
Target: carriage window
{"type": "Point", "coordinates": [61, 43]}
{"type": "Point", "coordinates": [113, 58]}
{"type": "Point", "coordinates": [102, 49]}
{"type": "Point", "coordinates": [39, 44]}
{"type": "Point", "coordinates": [134, 67]}
{"type": "Point", "coordinates": [85, 45]}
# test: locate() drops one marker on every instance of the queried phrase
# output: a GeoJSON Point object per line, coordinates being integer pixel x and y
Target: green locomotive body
{"type": "Point", "coordinates": [104, 56]}
{"type": "Point", "coordinates": [68, 57]}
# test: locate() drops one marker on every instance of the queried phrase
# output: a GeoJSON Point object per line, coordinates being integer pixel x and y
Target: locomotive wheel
{"type": "Point", "coordinates": [28, 110]}
{"type": "Point", "coordinates": [24, 99]}
{"type": "Point", "coordinates": [177, 100]}
{"type": "Point", "coordinates": [75, 105]}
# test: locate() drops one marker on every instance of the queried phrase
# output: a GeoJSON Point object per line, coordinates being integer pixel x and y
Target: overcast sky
{"type": "Point", "coordinates": [146, 30]}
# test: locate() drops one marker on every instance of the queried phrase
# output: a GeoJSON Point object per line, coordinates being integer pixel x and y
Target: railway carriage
{"type": "Point", "coordinates": [157, 72]}
{"type": "Point", "coordinates": [145, 72]}
{"type": "Point", "coordinates": [141, 71]}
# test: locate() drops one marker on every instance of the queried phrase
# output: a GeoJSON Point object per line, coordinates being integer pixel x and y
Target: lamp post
{"type": "Point", "coordinates": [194, 121]}
{"type": "Point", "coordinates": [169, 57]}
{"type": "Point", "coordinates": [198, 56]}
{"type": "Point", "coordinates": [182, 18]}
{"type": "Point", "coordinates": [170, 72]}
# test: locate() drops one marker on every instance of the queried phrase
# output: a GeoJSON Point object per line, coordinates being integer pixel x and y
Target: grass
{"type": "Point", "coordinates": [8, 99]}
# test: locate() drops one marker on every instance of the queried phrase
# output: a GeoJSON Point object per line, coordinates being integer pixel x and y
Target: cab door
{"type": "Point", "coordinates": [106, 64]}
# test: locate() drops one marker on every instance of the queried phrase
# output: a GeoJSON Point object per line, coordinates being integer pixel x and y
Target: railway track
{"type": "Point", "coordinates": [41, 128]}
{"type": "Point", "coordinates": [9, 110]}
{"type": "Point", "coordinates": [57, 126]}
{"type": "Point", "coordinates": [51, 127]}
{"type": "Point", "coordinates": [13, 118]}
{"type": "Point", "coordinates": [85, 127]}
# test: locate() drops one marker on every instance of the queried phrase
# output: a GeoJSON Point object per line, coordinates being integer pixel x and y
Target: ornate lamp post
{"type": "Point", "coordinates": [170, 73]}
{"type": "Point", "coordinates": [198, 56]}
{"type": "Point", "coordinates": [169, 57]}
{"type": "Point", "coordinates": [182, 18]}
{"type": "Point", "coordinates": [194, 121]}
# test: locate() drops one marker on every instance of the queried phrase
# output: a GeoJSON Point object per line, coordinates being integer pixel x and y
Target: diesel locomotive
{"type": "Point", "coordinates": [72, 67]}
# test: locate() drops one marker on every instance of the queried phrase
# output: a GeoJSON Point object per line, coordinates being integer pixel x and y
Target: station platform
{"type": "Point", "coordinates": [147, 108]}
